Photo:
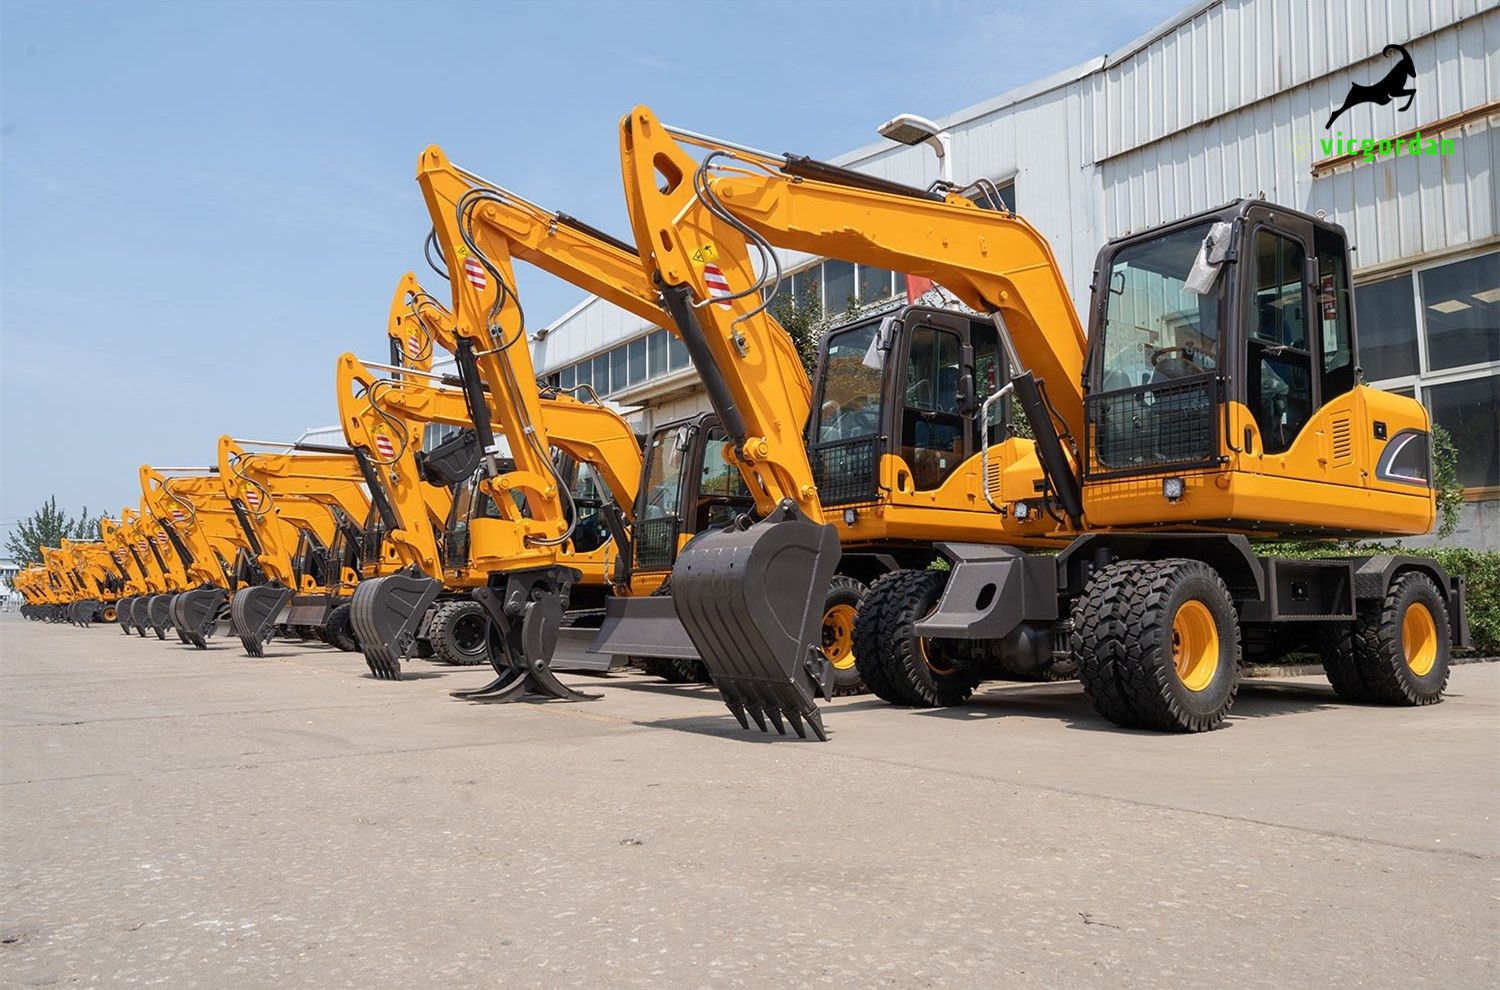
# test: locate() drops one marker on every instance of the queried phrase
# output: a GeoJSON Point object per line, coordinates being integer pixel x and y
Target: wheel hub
{"type": "Point", "coordinates": [838, 636]}
{"type": "Point", "coordinates": [1195, 645]}
{"type": "Point", "coordinates": [1419, 639]}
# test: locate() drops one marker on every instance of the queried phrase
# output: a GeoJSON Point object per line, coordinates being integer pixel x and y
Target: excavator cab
{"type": "Point", "coordinates": [907, 386]}
{"type": "Point", "coordinates": [1221, 386]}
{"type": "Point", "coordinates": [689, 488]}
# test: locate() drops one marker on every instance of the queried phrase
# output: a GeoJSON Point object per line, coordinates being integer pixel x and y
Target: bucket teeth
{"type": "Point", "coordinates": [751, 601]}
{"type": "Point", "coordinates": [194, 614]}
{"type": "Point", "coordinates": [386, 613]}
{"type": "Point", "coordinates": [123, 613]}
{"type": "Point", "coordinates": [159, 613]}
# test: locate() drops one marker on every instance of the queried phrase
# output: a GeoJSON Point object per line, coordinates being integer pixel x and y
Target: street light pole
{"type": "Point", "coordinates": [911, 130]}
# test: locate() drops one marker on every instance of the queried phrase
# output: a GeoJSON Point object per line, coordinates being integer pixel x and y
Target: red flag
{"type": "Point", "coordinates": [917, 287]}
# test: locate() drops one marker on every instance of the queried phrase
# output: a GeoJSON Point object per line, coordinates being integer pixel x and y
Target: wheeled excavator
{"type": "Point", "coordinates": [194, 511]}
{"type": "Point", "coordinates": [305, 504]}
{"type": "Point", "coordinates": [438, 519]}
{"type": "Point", "coordinates": [159, 573]}
{"type": "Point", "coordinates": [1216, 399]}
{"type": "Point", "coordinates": [95, 579]}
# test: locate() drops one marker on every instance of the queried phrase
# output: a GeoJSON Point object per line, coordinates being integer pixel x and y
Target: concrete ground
{"type": "Point", "coordinates": [203, 819]}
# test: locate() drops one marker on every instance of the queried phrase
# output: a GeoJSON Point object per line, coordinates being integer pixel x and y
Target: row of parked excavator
{"type": "Point", "coordinates": [968, 488]}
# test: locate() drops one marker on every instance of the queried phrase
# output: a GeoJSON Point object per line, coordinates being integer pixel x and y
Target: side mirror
{"type": "Point", "coordinates": [1210, 260]}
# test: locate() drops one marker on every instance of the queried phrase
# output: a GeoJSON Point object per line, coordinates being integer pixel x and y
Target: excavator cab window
{"type": "Point", "coordinates": [1280, 382]}
{"type": "Point", "coordinates": [932, 425]}
{"type": "Point", "coordinates": [589, 530]}
{"type": "Point", "coordinates": [722, 495]}
{"type": "Point", "coordinates": [658, 506]}
{"type": "Point", "coordinates": [1337, 344]}
{"type": "Point", "coordinates": [849, 399]}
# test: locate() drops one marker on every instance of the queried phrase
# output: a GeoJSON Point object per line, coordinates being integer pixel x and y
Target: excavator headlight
{"type": "Point", "coordinates": [1022, 511]}
{"type": "Point", "coordinates": [1173, 488]}
{"type": "Point", "coordinates": [850, 517]}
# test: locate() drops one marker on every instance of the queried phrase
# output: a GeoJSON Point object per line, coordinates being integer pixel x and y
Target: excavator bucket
{"type": "Point", "coordinates": [138, 617]}
{"type": "Point", "coordinates": [751, 599]}
{"type": "Point", "coordinates": [123, 613]}
{"type": "Point", "coordinates": [159, 614]}
{"type": "Point", "coordinates": [385, 613]}
{"type": "Point", "coordinates": [194, 614]}
{"type": "Point", "coordinates": [253, 613]}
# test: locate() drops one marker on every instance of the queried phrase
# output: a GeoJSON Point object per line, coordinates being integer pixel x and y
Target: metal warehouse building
{"type": "Point", "coordinates": [1228, 99]}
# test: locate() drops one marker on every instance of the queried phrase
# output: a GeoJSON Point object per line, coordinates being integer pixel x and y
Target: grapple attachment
{"type": "Point", "coordinates": [138, 617]}
{"type": "Point", "coordinates": [194, 612]}
{"type": "Point", "coordinates": [386, 612]}
{"type": "Point", "coordinates": [123, 614]}
{"type": "Point", "coordinates": [159, 614]}
{"type": "Point", "coordinates": [523, 631]}
{"type": "Point", "coordinates": [751, 600]}
{"type": "Point", "coordinates": [254, 611]}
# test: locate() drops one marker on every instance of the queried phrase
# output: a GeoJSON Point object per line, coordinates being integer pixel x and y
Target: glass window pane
{"type": "Point", "coordinates": [618, 373]}
{"type": "Point", "coordinates": [1387, 321]}
{"type": "Point", "coordinates": [1007, 191]}
{"type": "Point", "coordinates": [568, 377]}
{"type": "Point", "coordinates": [583, 374]}
{"type": "Point", "coordinates": [636, 351]}
{"type": "Point", "coordinates": [874, 284]}
{"type": "Point", "coordinates": [1461, 306]}
{"type": "Point", "coordinates": [899, 284]}
{"type": "Point", "coordinates": [677, 353]}
{"type": "Point", "coordinates": [838, 285]}
{"type": "Point", "coordinates": [1467, 411]}
{"type": "Point", "coordinates": [656, 352]}
{"type": "Point", "coordinates": [601, 374]}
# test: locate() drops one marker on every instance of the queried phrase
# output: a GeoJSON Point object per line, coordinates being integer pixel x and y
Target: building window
{"type": "Point", "coordinates": [838, 285]}
{"type": "Point", "coordinates": [1461, 306]}
{"type": "Point", "coordinates": [656, 352]}
{"type": "Point", "coordinates": [636, 354]}
{"type": "Point", "coordinates": [601, 374]}
{"type": "Point", "coordinates": [1434, 334]}
{"type": "Point", "coordinates": [1387, 315]}
{"type": "Point", "coordinates": [1467, 410]}
{"type": "Point", "coordinates": [568, 377]}
{"type": "Point", "coordinates": [1007, 191]}
{"type": "Point", "coordinates": [677, 353]}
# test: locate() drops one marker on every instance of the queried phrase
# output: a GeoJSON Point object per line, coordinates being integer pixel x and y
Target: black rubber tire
{"type": "Point", "coordinates": [848, 591]}
{"type": "Point", "coordinates": [673, 671]}
{"type": "Point", "coordinates": [888, 653]}
{"type": "Point", "coordinates": [338, 629]}
{"type": "Point", "coordinates": [1365, 660]}
{"type": "Point", "coordinates": [452, 634]}
{"type": "Point", "coordinates": [1122, 643]}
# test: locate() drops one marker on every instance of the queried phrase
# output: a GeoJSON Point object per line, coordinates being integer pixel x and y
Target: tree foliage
{"type": "Point", "coordinates": [48, 526]}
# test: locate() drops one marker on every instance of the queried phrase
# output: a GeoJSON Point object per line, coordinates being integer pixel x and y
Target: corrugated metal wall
{"type": "Point", "coordinates": [1229, 102]}
{"type": "Point", "coordinates": [1395, 208]}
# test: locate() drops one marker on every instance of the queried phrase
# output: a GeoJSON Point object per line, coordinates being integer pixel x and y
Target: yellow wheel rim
{"type": "Point", "coordinates": [1419, 639]}
{"type": "Point", "coordinates": [109, 614]}
{"type": "Point", "coordinates": [1195, 645]}
{"type": "Point", "coordinates": [838, 636]}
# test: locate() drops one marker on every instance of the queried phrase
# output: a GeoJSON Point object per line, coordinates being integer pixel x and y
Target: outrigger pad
{"type": "Point", "coordinates": [385, 613]}
{"type": "Point", "coordinates": [752, 601]}
{"type": "Point", "coordinates": [123, 613]}
{"type": "Point", "coordinates": [194, 612]}
{"type": "Point", "coordinates": [254, 611]}
{"type": "Point", "coordinates": [138, 616]}
{"type": "Point", "coordinates": [159, 612]}
{"type": "Point", "coordinates": [646, 626]}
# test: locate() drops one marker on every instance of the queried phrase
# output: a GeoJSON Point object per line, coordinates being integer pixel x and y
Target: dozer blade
{"type": "Point", "coordinates": [123, 613]}
{"type": "Point", "coordinates": [521, 649]}
{"type": "Point", "coordinates": [253, 613]}
{"type": "Point", "coordinates": [138, 616]}
{"type": "Point", "coordinates": [194, 612]}
{"type": "Point", "coordinates": [159, 614]}
{"type": "Point", "coordinates": [385, 613]}
{"type": "Point", "coordinates": [646, 626]}
{"type": "Point", "coordinates": [751, 599]}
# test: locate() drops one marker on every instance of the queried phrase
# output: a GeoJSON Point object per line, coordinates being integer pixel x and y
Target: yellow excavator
{"type": "Point", "coordinates": [194, 512]}
{"type": "Point", "coordinates": [1215, 400]}
{"type": "Point", "coordinates": [31, 582]}
{"type": "Point", "coordinates": [305, 504]}
{"type": "Point", "coordinates": [97, 582]}
{"type": "Point", "coordinates": [436, 516]}
{"type": "Point", "coordinates": [158, 572]}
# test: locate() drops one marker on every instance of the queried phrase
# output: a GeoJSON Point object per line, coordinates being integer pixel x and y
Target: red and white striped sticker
{"type": "Point", "coordinates": [475, 271]}
{"type": "Point", "coordinates": [413, 346]}
{"type": "Point", "coordinates": [252, 497]}
{"type": "Point", "coordinates": [161, 539]}
{"type": "Point", "coordinates": [385, 447]}
{"type": "Point", "coordinates": [142, 547]}
{"type": "Point", "coordinates": [178, 516]}
{"type": "Point", "coordinates": [718, 285]}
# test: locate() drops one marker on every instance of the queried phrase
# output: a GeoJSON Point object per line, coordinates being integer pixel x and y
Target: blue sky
{"type": "Point", "coordinates": [203, 204]}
